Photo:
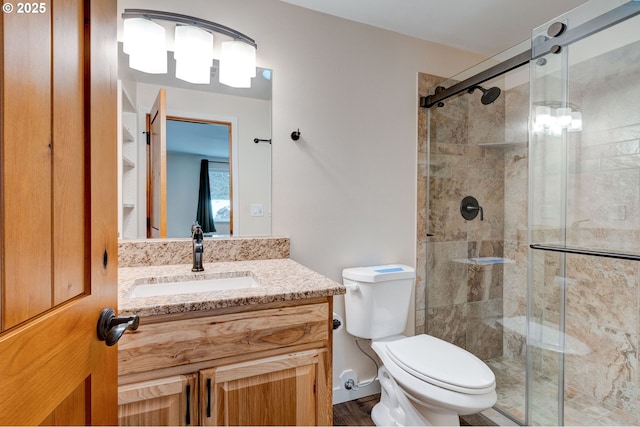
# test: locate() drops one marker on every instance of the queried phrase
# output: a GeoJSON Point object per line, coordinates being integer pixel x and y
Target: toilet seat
{"type": "Point", "coordinates": [441, 364]}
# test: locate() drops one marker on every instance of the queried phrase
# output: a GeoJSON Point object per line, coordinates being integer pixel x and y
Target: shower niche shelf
{"type": "Point", "coordinates": [502, 144]}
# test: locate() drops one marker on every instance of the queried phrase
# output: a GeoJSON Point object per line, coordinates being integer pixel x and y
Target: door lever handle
{"type": "Point", "coordinates": [111, 328]}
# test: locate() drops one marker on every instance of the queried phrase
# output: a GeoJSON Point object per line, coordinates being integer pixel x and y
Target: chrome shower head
{"type": "Point", "coordinates": [488, 95]}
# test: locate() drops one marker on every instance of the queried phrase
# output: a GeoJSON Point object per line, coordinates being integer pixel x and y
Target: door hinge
{"type": "Point", "coordinates": [148, 134]}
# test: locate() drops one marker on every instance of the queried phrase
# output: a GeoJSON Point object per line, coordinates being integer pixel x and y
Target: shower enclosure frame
{"type": "Point", "coordinates": [539, 48]}
{"type": "Point", "coordinates": [558, 38]}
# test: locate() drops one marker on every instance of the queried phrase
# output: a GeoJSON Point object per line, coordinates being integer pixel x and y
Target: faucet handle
{"type": "Point", "coordinates": [469, 208]}
{"type": "Point", "coordinates": [196, 230]}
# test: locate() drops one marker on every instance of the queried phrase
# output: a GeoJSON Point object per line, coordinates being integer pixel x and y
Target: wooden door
{"type": "Point", "coordinates": [164, 402]}
{"type": "Point", "coordinates": [157, 168]}
{"type": "Point", "coordinates": [58, 218]}
{"type": "Point", "coordinates": [280, 390]}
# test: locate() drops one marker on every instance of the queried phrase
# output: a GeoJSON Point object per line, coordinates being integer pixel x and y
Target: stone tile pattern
{"type": "Point", "coordinates": [135, 253]}
{"type": "Point", "coordinates": [579, 408]}
{"type": "Point", "coordinates": [279, 280]}
{"type": "Point", "coordinates": [463, 301]}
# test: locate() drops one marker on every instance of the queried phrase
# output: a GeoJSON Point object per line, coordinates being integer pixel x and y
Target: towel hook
{"type": "Point", "coordinates": [295, 135]}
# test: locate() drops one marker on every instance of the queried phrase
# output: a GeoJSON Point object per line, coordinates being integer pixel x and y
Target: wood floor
{"type": "Point", "coordinates": [358, 413]}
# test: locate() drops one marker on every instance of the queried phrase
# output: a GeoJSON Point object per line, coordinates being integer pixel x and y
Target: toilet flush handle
{"type": "Point", "coordinates": [352, 287]}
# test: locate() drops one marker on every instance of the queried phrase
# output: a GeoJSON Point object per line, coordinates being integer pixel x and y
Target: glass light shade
{"type": "Point", "coordinates": [576, 121]}
{"type": "Point", "coordinates": [245, 55]}
{"type": "Point", "coordinates": [193, 43]}
{"type": "Point", "coordinates": [237, 64]}
{"type": "Point", "coordinates": [136, 33]}
{"type": "Point", "coordinates": [149, 61]}
{"type": "Point", "coordinates": [197, 72]}
{"type": "Point", "coordinates": [563, 116]}
{"type": "Point", "coordinates": [555, 130]}
{"type": "Point", "coordinates": [251, 58]}
{"type": "Point", "coordinates": [194, 54]}
{"type": "Point", "coordinates": [537, 127]}
{"type": "Point", "coordinates": [234, 80]}
{"type": "Point", "coordinates": [543, 115]}
{"type": "Point", "coordinates": [144, 42]}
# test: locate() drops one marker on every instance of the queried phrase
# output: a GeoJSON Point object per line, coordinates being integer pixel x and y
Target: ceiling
{"type": "Point", "coordinates": [481, 26]}
{"type": "Point", "coordinates": [207, 140]}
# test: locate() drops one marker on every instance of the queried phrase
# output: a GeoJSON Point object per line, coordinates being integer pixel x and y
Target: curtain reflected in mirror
{"type": "Point", "coordinates": [204, 215]}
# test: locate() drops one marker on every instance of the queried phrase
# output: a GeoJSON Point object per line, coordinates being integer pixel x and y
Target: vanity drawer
{"type": "Point", "coordinates": [188, 341]}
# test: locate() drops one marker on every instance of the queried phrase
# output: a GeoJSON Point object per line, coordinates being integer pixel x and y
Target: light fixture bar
{"type": "Point", "coordinates": [188, 20]}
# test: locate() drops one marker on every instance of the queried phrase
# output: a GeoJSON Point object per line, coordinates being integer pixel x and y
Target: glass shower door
{"type": "Point", "coordinates": [584, 230]}
{"type": "Point", "coordinates": [476, 264]}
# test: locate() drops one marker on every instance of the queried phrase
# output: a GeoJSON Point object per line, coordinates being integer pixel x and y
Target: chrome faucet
{"type": "Point", "coordinates": [198, 247]}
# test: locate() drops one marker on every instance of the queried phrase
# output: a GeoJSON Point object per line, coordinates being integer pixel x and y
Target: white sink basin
{"type": "Point", "coordinates": [184, 286]}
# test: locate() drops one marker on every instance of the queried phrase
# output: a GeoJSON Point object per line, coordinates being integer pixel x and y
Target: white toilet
{"type": "Point", "coordinates": [424, 380]}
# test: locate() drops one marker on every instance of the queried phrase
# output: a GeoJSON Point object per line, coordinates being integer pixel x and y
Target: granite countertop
{"type": "Point", "coordinates": [278, 279]}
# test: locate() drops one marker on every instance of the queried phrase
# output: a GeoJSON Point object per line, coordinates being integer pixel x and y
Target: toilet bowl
{"type": "Point", "coordinates": [424, 380]}
{"type": "Point", "coordinates": [441, 380]}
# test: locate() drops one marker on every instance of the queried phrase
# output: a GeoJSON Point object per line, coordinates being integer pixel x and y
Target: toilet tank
{"type": "Point", "coordinates": [377, 299]}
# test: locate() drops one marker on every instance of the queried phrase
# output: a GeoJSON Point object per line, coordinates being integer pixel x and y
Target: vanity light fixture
{"type": "Point", "coordinates": [144, 42]}
{"type": "Point", "coordinates": [237, 64]}
{"type": "Point", "coordinates": [551, 118]}
{"type": "Point", "coordinates": [193, 51]}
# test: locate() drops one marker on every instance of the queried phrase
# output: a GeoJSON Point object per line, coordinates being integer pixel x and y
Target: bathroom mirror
{"type": "Point", "coordinates": [245, 114]}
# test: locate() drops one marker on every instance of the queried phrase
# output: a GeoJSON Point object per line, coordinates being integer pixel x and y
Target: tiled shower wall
{"type": "Point", "coordinates": [515, 216]}
{"type": "Point", "coordinates": [464, 300]}
{"type": "Point", "coordinates": [460, 294]}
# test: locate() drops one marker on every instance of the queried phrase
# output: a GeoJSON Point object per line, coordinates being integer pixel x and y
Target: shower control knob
{"type": "Point", "coordinates": [469, 208]}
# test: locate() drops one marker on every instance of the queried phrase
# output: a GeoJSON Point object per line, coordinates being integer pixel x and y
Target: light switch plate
{"type": "Point", "coordinates": [257, 209]}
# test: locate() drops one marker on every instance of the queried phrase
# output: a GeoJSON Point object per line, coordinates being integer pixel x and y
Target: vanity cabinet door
{"type": "Point", "coordinates": [167, 401]}
{"type": "Point", "coordinates": [290, 389]}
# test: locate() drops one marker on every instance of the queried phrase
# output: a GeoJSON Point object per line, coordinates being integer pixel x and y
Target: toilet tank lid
{"type": "Point", "coordinates": [379, 273]}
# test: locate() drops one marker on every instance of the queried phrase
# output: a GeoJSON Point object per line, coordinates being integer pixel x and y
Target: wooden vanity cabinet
{"type": "Point", "coordinates": [280, 390]}
{"type": "Point", "coordinates": [165, 401]}
{"type": "Point", "coordinates": [240, 366]}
